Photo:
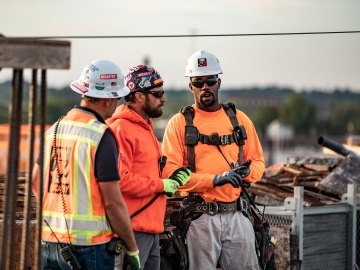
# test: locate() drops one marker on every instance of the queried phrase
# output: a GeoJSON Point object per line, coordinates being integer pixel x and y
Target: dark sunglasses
{"type": "Point", "coordinates": [208, 81]}
{"type": "Point", "coordinates": [157, 94]}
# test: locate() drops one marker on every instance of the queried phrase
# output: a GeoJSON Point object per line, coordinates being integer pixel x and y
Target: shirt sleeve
{"type": "Point", "coordinates": [106, 159]}
{"type": "Point", "coordinates": [173, 147]}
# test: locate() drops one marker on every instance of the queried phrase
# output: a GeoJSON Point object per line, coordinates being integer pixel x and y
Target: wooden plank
{"type": "Point", "coordinates": [32, 53]}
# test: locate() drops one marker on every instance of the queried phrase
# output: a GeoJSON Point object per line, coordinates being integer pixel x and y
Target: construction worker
{"type": "Point", "coordinates": [82, 204]}
{"type": "Point", "coordinates": [141, 161]}
{"type": "Point", "coordinates": [212, 138]}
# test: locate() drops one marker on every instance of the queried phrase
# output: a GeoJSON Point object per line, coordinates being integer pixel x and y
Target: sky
{"type": "Point", "coordinates": [302, 62]}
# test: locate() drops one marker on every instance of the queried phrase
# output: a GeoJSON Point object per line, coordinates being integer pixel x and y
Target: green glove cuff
{"type": "Point", "coordinates": [132, 253]}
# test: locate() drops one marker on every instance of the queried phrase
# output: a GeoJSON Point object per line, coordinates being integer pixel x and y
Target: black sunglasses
{"type": "Point", "coordinates": [200, 83]}
{"type": "Point", "coordinates": [157, 94]}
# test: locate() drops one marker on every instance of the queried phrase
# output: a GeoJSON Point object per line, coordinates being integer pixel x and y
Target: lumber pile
{"type": "Point", "coordinates": [20, 199]}
{"type": "Point", "coordinates": [324, 179]}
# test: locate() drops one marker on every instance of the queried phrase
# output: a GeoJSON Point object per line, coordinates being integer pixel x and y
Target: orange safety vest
{"type": "Point", "coordinates": [78, 214]}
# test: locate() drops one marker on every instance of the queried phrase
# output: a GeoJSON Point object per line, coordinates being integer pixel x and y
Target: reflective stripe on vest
{"type": "Point", "coordinates": [77, 142]}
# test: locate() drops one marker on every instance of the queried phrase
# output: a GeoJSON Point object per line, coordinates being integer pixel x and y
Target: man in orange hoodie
{"type": "Point", "coordinates": [141, 161]}
{"type": "Point", "coordinates": [212, 138]}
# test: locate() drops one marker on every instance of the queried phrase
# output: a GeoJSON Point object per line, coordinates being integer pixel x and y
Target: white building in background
{"type": "Point", "coordinates": [281, 146]}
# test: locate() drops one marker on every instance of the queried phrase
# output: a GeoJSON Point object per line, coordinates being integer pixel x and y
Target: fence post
{"type": "Point", "coordinates": [299, 218]}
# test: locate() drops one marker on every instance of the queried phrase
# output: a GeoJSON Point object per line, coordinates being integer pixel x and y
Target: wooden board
{"type": "Point", "coordinates": [32, 53]}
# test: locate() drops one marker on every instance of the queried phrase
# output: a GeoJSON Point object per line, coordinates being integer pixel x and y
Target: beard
{"type": "Point", "coordinates": [207, 102]}
{"type": "Point", "coordinates": [151, 111]}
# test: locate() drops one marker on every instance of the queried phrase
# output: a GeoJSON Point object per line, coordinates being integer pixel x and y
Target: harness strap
{"type": "Point", "coordinates": [215, 139]}
{"type": "Point", "coordinates": [231, 112]}
{"type": "Point", "coordinates": [189, 114]}
{"type": "Point", "coordinates": [192, 135]}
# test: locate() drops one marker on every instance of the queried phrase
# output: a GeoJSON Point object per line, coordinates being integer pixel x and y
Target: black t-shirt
{"type": "Point", "coordinates": [106, 159]}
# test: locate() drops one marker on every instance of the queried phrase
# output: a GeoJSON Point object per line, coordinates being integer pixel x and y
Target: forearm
{"type": "Point", "coordinates": [120, 222]}
{"type": "Point", "coordinates": [117, 213]}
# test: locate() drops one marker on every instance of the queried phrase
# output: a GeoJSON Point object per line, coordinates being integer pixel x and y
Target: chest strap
{"type": "Point", "coordinates": [215, 139]}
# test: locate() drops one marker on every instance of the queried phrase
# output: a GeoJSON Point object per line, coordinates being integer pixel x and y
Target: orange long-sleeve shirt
{"type": "Point", "coordinates": [208, 159]}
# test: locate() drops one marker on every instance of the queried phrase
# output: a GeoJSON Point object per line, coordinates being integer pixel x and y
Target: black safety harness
{"type": "Point", "coordinates": [193, 206]}
{"type": "Point", "coordinates": [193, 137]}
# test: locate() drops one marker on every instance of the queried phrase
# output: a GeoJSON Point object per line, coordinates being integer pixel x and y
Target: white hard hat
{"type": "Point", "coordinates": [202, 63]}
{"type": "Point", "coordinates": [101, 79]}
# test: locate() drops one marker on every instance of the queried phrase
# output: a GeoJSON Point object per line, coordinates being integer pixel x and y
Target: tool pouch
{"type": "Point", "coordinates": [115, 246]}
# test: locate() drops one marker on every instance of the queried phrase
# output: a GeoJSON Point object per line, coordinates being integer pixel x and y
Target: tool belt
{"type": "Point", "coordinates": [213, 208]}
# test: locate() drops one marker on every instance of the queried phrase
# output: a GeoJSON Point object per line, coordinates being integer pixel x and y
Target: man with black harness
{"type": "Point", "coordinates": [213, 139]}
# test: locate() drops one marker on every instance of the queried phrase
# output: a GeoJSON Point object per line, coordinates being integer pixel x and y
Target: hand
{"type": "Point", "coordinates": [181, 175]}
{"type": "Point", "coordinates": [170, 186]}
{"type": "Point", "coordinates": [228, 177]}
{"type": "Point", "coordinates": [243, 169]}
{"type": "Point", "coordinates": [132, 260]}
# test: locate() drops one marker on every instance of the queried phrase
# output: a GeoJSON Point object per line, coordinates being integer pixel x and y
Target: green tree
{"type": "Point", "coordinates": [344, 118]}
{"type": "Point", "coordinates": [298, 113]}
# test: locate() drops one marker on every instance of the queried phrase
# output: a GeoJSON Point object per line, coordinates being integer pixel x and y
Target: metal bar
{"type": "Point", "coordinates": [37, 252]}
{"type": "Point", "coordinates": [299, 196]}
{"type": "Point", "coordinates": [9, 224]}
{"type": "Point", "coordinates": [26, 233]}
{"type": "Point", "coordinates": [326, 209]}
{"type": "Point", "coordinates": [351, 194]}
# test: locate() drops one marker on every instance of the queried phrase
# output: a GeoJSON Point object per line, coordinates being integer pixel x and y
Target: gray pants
{"type": "Point", "coordinates": [225, 237]}
{"type": "Point", "coordinates": [149, 250]}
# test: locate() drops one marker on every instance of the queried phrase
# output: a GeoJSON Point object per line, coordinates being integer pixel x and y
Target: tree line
{"type": "Point", "coordinates": [308, 112]}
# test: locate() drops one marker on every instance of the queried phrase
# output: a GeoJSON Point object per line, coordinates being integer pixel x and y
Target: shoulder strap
{"type": "Point", "coordinates": [189, 114]}
{"type": "Point", "coordinates": [231, 112]}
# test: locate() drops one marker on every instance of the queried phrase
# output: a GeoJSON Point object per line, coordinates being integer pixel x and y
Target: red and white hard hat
{"type": "Point", "coordinates": [202, 63]}
{"type": "Point", "coordinates": [101, 79]}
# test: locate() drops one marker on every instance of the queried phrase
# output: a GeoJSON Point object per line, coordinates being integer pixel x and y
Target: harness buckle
{"type": "Point", "coordinates": [213, 208]}
{"type": "Point", "coordinates": [242, 205]}
{"type": "Point", "coordinates": [214, 138]}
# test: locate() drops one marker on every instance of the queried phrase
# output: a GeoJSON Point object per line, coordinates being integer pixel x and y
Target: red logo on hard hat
{"type": "Point", "coordinates": [108, 76]}
{"type": "Point", "coordinates": [202, 62]}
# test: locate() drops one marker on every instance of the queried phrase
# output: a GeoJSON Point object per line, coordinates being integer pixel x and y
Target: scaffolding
{"type": "Point", "coordinates": [19, 54]}
{"type": "Point", "coordinates": [319, 237]}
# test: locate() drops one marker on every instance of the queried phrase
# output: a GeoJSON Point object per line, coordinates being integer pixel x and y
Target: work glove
{"type": "Point", "coordinates": [243, 169]}
{"type": "Point", "coordinates": [170, 186]}
{"type": "Point", "coordinates": [181, 175]}
{"type": "Point", "coordinates": [228, 177]}
{"type": "Point", "coordinates": [131, 260]}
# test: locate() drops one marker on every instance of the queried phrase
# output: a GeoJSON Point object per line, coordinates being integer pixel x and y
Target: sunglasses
{"type": "Point", "coordinates": [208, 81]}
{"type": "Point", "coordinates": [156, 94]}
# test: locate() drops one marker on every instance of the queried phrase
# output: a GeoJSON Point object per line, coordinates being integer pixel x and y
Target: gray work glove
{"type": "Point", "coordinates": [228, 177]}
{"type": "Point", "coordinates": [181, 175]}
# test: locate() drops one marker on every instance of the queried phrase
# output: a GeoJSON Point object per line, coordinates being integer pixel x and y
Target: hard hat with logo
{"type": "Point", "coordinates": [101, 79]}
{"type": "Point", "coordinates": [142, 78]}
{"type": "Point", "coordinates": [202, 63]}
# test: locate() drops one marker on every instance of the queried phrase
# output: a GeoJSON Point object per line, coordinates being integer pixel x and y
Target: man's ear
{"type": "Point", "coordinates": [219, 82]}
{"type": "Point", "coordinates": [190, 86]}
{"type": "Point", "coordinates": [139, 97]}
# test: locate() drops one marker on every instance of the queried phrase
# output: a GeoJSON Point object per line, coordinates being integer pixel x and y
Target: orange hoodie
{"type": "Point", "coordinates": [139, 169]}
{"type": "Point", "coordinates": [208, 159]}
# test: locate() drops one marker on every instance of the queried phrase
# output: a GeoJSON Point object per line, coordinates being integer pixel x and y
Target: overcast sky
{"type": "Point", "coordinates": [301, 62]}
